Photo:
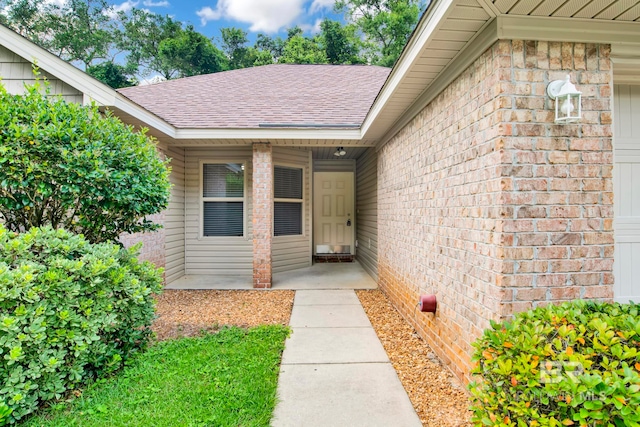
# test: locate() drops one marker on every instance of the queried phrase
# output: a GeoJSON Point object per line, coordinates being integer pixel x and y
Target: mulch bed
{"type": "Point", "coordinates": [439, 399]}
{"type": "Point", "coordinates": [188, 313]}
{"type": "Point", "coordinates": [437, 395]}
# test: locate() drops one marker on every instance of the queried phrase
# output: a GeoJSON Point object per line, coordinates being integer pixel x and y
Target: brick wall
{"type": "Point", "coordinates": [262, 214]}
{"type": "Point", "coordinates": [153, 244]}
{"type": "Point", "coordinates": [485, 202]}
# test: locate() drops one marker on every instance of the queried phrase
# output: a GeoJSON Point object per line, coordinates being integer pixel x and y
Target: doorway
{"type": "Point", "coordinates": [333, 213]}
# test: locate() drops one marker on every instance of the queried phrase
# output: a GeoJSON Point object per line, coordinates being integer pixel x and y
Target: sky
{"type": "Point", "coordinates": [272, 17]}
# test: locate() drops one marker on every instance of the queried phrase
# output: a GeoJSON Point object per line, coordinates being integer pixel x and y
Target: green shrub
{"type": "Point", "coordinates": [70, 311]}
{"type": "Point", "coordinates": [70, 166]}
{"type": "Point", "coordinates": [573, 364]}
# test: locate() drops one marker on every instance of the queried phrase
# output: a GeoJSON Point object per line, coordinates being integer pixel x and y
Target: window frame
{"type": "Point", "coordinates": [202, 199]}
{"type": "Point", "coordinates": [301, 201]}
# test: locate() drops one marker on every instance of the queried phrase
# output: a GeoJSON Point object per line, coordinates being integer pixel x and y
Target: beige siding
{"type": "Point", "coordinates": [174, 217]}
{"type": "Point", "coordinates": [292, 252]}
{"type": "Point", "coordinates": [220, 256]}
{"type": "Point", "coordinates": [16, 71]}
{"type": "Point", "coordinates": [367, 211]}
{"type": "Point", "coordinates": [344, 165]}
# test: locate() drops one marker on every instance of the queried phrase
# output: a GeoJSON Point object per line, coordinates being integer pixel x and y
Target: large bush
{"type": "Point", "coordinates": [70, 311]}
{"type": "Point", "coordinates": [573, 364]}
{"type": "Point", "coordinates": [70, 166]}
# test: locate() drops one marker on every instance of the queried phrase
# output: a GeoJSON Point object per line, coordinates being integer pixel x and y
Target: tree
{"type": "Point", "coordinates": [69, 166]}
{"type": "Point", "coordinates": [28, 18]}
{"type": "Point", "coordinates": [191, 53]}
{"type": "Point", "coordinates": [275, 46]}
{"type": "Point", "coordinates": [82, 30]}
{"type": "Point", "coordinates": [142, 34]}
{"type": "Point", "coordinates": [385, 25]}
{"type": "Point", "coordinates": [262, 57]}
{"type": "Point", "coordinates": [340, 44]}
{"type": "Point", "coordinates": [302, 50]}
{"type": "Point", "coordinates": [114, 75]}
{"type": "Point", "coordinates": [234, 45]}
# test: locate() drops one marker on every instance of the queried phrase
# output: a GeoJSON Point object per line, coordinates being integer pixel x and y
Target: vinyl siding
{"type": "Point", "coordinates": [292, 252]}
{"type": "Point", "coordinates": [334, 165]}
{"type": "Point", "coordinates": [367, 211]}
{"type": "Point", "coordinates": [218, 256]}
{"type": "Point", "coordinates": [175, 218]}
{"type": "Point", "coordinates": [16, 71]}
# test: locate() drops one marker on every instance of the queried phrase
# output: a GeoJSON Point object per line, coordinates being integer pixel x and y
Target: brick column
{"type": "Point", "coordinates": [557, 199]}
{"type": "Point", "coordinates": [262, 214]}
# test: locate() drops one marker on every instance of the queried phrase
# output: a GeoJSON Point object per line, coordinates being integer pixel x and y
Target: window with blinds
{"type": "Point", "coordinates": [222, 199]}
{"type": "Point", "coordinates": [288, 201]}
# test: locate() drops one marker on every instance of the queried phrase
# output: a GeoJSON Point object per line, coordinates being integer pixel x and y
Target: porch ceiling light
{"type": "Point", "coordinates": [568, 101]}
{"type": "Point", "coordinates": [340, 152]}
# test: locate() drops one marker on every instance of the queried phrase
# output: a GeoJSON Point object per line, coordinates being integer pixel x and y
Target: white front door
{"type": "Point", "coordinates": [333, 221]}
{"type": "Point", "coordinates": [626, 190]}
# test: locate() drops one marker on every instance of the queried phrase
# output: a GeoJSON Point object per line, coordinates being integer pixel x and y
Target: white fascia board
{"type": "Point", "coordinates": [437, 13]}
{"type": "Point", "coordinates": [511, 27]}
{"type": "Point", "coordinates": [78, 79]}
{"type": "Point", "coordinates": [268, 134]}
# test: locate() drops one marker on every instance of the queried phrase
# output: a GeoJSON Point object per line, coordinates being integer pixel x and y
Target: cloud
{"type": "Point", "coordinates": [125, 6]}
{"type": "Point", "coordinates": [319, 5]}
{"type": "Point", "coordinates": [207, 14]}
{"type": "Point", "coordinates": [151, 3]}
{"type": "Point", "coordinates": [59, 3]}
{"type": "Point", "coordinates": [313, 29]}
{"type": "Point", "coordinates": [262, 15]}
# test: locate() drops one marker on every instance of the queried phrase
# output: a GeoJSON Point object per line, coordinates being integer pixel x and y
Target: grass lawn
{"type": "Point", "coordinates": [224, 379]}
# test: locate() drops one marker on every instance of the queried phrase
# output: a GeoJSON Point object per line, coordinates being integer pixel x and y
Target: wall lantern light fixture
{"type": "Point", "coordinates": [568, 101]}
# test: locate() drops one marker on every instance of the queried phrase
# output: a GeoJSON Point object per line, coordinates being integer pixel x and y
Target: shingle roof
{"type": "Point", "coordinates": [267, 95]}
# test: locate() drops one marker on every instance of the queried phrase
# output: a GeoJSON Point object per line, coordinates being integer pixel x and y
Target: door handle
{"type": "Point", "coordinates": [348, 223]}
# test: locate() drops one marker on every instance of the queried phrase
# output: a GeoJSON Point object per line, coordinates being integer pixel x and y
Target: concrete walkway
{"type": "Point", "coordinates": [335, 371]}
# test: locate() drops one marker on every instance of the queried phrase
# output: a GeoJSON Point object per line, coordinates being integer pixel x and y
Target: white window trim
{"type": "Point", "coordinates": [301, 201]}
{"type": "Point", "coordinates": [202, 199]}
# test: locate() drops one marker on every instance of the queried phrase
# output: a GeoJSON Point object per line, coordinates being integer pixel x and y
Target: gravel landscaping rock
{"type": "Point", "coordinates": [438, 397]}
{"type": "Point", "coordinates": [187, 313]}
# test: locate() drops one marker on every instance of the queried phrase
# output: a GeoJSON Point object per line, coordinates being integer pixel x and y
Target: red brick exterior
{"type": "Point", "coordinates": [485, 202]}
{"type": "Point", "coordinates": [153, 248]}
{"type": "Point", "coordinates": [153, 244]}
{"type": "Point", "coordinates": [262, 214]}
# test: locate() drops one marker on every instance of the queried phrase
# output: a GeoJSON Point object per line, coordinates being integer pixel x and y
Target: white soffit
{"type": "Point", "coordinates": [453, 33]}
{"type": "Point", "coordinates": [616, 10]}
{"type": "Point", "coordinates": [447, 27]}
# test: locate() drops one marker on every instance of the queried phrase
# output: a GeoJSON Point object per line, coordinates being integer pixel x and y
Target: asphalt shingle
{"type": "Point", "coordinates": [275, 94]}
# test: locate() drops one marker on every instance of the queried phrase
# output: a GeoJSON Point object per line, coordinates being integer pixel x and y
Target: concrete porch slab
{"type": "Point", "coordinates": [328, 316]}
{"type": "Point", "coordinates": [318, 276]}
{"type": "Point", "coordinates": [367, 395]}
{"type": "Point", "coordinates": [333, 345]}
{"type": "Point", "coordinates": [325, 276]}
{"type": "Point", "coordinates": [326, 297]}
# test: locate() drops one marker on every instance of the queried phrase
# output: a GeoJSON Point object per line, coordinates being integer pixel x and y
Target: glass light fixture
{"type": "Point", "coordinates": [339, 152]}
{"type": "Point", "coordinates": [568, 100]}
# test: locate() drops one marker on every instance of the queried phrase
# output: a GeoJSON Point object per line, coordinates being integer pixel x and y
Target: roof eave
{"type": "Point", "coordinates": [267, 134]}
{"type": "Point", "coordinates": [93, 89]}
